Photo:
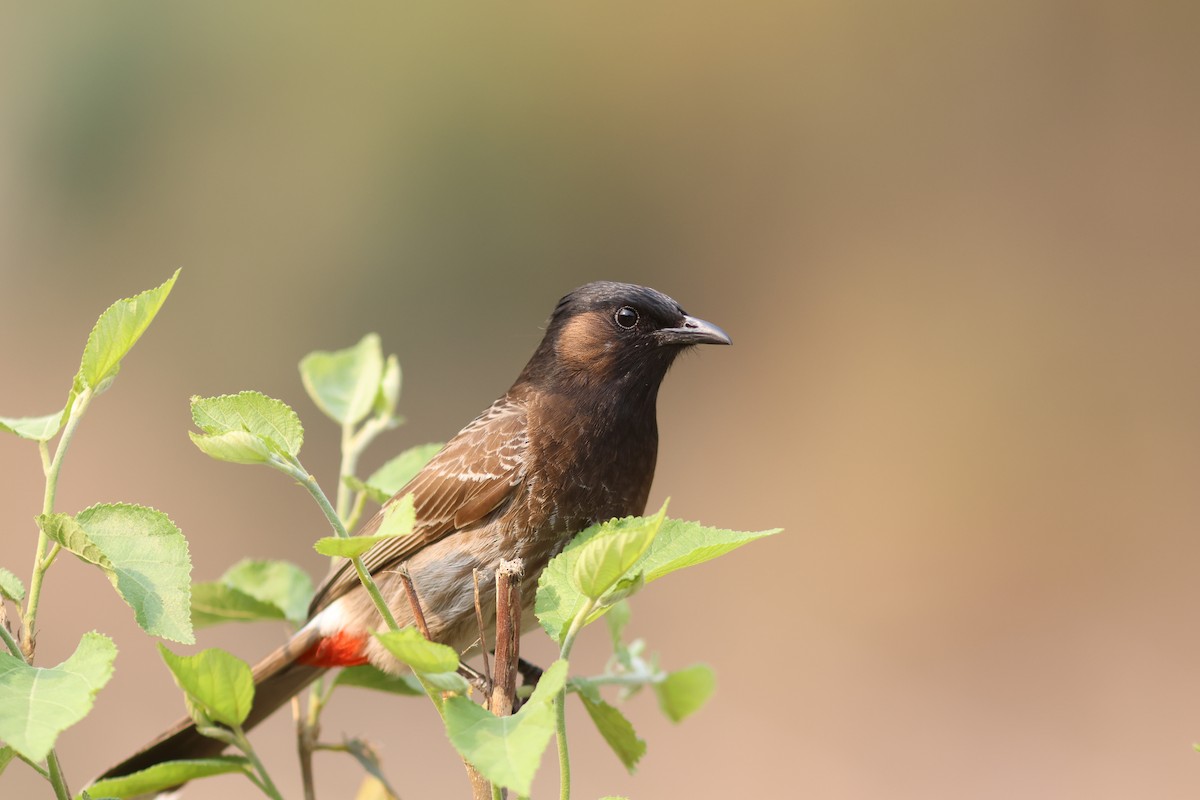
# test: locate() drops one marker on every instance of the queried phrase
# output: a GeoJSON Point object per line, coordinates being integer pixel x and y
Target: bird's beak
{"type": "Point", "coordinates": [693, 331]}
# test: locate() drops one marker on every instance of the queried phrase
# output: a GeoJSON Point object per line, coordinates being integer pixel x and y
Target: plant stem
{"type": "Point", "coordinates": [630, 679]}
{"type": "Point", "coordinates": [41, 563]}
{"type": "Point", "coordinates": [353, 444]}
{"type": "Point", "coordinates": [356, 510]}
{"type": "Point", "coordinates": [244, 745]}
{"type": "Point", "coordinates": [56, 777]}
{"type": "Point", "coordinates": [11, 642]}
{"type": "Point", "coordinates": [36, 767]}
{"type": "Point", "coordinates": [297, 471]}
{"type": "Point", "coordinates": [53, 773]}
{"type": "Point", "coordinates": [560, 705]}
{"type": "Point", "coordinates": [307, 731]}
{"type": "Point", "coordinates": [347, 468]}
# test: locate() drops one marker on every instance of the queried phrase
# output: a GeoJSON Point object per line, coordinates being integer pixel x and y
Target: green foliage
{"type": "Point", "coordinates": [617, 618]}
{"type": "Point", "coordinates": [144, 556]}
{"type": "Point", "coordinates": [366, 756]}
{"type": "Point", "coordinates": [435, 663]}
{"type": "Point", "coordinates": [678, 544]}
{"type": "Point", "coordinates": [216, 602]}
{"type": "Point", "coordinates": [39, 703]}
{"type": "Point", "coordinates": [341, 547]}
{"type": "Point", "coordinates": [398, 520]}
{"type": "Point", "coordinates": [389, 388]}
{"type": "Point", "coordinates": [507, 750]}
{"type": "Point", "coordinates": [422, 655]}
{"type": "Point", "coordinates": [253, 590]}
{"type": "Point", "coordinates": [606, 557]}
{"type": "Point", "coordinates": [167, 775]}
{"type": "Point", "coordinates": [218, 685]}
{"type": "Point", "coordinates": [146, 559]}
{"type": "Point", "coordinates": [368, 677]}
{"type": "Point", "coordinates": [39, 429]}
{"type": "Point", "coordinates": [345, 384]}
{"type": "Point", "coordinates": [115, 333]}
{"type": "Point", "coordinates": [616, 730]}
{"type": "Point", "coordinates": [683, 693]}
{"type": "Point", "coordinates": [280, 583]}
{"type": "Point", "coordinates": [246, 428]}
{"type": "Point", "coordinates": [11, 586]}
{"type": "Point", "coordinates": [396, 473]}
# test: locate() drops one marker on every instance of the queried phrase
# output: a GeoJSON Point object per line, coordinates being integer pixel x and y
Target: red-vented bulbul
{"type": "Point", "coordinates": [572, 443]}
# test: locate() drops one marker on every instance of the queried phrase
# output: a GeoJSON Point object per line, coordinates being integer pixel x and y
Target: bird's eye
{"type": "Point", "coordinates": [626, 317]}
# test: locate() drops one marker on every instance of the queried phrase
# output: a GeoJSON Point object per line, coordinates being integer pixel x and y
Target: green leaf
{"type": "Point", "coordinates": [398, 520]}
{"type": "Point", "coordinates": [408, 645]}
{"type": "Point", "coordinates": [368, 677]}
{"type": "Point", "coordinates": [39, 703]}
{"type": "Point", "coordinates": [167, 775]}
{"type": "Point", "coordinates": [606, 557]}
{"type": "Point", "coordinates": [507, 750]}
{"type": "Point", "coordinates": [270, 420]}
{"type": "Point", "coordinates": [280, 583]}
{"type": "Point", "coordinates": [616, 730]}
{"type": "Point", "coordinates": [7, 754]}
{"type": "Point", "coordinates": [389, 388]}
{"type": "Point", "coordinates": [399, 517]}
{"type": "Point", "coordinates": [678, 544]}
{"type": "Point", "coordinates": [366, 756]}
{"type": "Point", "coordinates": [218, 683]}
{"type": "Point", "coordinates": [436, 663]}
{"type": "Point", "coordinates": [345, 383]}
{"type": "Point", "coordinates": [115, 333]}
{"type": "Point", "coordinates": [236, 447]}
{"type": "Point", "coordinates": [11, 586]}
{"type": "Point", "coordinates": [395, 474]}
{"type": "Point", "coordinates": [342, 547]}
{"type": "Point", "coordinates": [216, 602]}
{"type": "Point", "coordinates": [447, 682]}
{"type": "Point", "coordinates": [684, 544]}
{"type": "Point", "coordinates": [358, 485]}
{"type": "Point", "coordinates": [66, 531]}
{"type": "Point", "coordinates": [618, 617]}
{"type": "Point", "coordinates": [39, 429]}
{"type": "Point", "coordinates": [684, 692]}
{"type": "Point", "coordinates": [624, 589]}
{"type": "Point", "coordinates": [144, 555]}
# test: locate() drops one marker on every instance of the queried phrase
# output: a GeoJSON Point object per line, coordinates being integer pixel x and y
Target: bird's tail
{"type": "Point", "coordinates": [277, 678]}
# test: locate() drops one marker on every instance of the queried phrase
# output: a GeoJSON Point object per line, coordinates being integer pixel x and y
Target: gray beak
{"type": "Point", "coordinates": [693, 331]}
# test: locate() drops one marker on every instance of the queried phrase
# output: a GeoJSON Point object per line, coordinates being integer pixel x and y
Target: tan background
{"type": "Point", "coordinates": [956, 246]}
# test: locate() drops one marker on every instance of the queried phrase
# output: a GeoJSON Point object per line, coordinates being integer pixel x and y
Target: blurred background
{"type": "Point", "coordinates": [956, 245]}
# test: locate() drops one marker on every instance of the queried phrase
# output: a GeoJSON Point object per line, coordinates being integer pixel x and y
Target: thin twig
{"type": "Point", "coordinates": [8, 638]}
{"type": "Point", "coordinates": [508, 633]}
{"type": "Point", "coordinates": [413, 601]}
{"type": "Point", "coordinates": [38, 768]}
{"type": "Point", "coordinates": [307, 731]}
{"type": "Point", "coordinates": [483, 648]}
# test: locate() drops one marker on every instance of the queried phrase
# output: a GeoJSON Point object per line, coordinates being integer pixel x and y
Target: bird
{"type": "Point", "coordinates": [573, 442]}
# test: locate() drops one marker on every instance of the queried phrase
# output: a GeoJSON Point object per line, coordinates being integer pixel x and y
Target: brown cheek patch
{"type": "Point", "coordinates": [584, 342]}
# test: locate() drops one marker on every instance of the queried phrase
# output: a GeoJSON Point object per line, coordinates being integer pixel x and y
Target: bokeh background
{"type": "Point", "coordinates": [956, 245]}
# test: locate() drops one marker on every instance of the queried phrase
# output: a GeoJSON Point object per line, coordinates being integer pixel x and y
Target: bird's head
{"type": "Point", "coordinates": [616, 335]}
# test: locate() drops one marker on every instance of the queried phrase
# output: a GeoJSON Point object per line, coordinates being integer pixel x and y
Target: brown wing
{"type": "Point", "coordinates": [476, 472]}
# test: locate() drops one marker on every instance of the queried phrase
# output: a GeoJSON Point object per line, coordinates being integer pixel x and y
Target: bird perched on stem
{"type": "Point", "coordinates": [571, 443]}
